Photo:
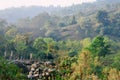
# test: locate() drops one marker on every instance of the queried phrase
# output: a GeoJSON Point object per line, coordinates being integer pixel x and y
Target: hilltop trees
{"type": "Point", "coordinates": [109, 25]}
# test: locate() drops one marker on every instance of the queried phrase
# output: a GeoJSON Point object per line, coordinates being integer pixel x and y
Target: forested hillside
{"type": "Point", "coordinates": [82, 40]}
{"type": "Point", "coordinates": [85, 8]}
{"type": "Point", "coordinates": [78, 25]}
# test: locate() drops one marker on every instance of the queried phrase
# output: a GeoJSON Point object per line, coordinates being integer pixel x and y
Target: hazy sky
{"type": "Point", "coordinates": [17, 3]}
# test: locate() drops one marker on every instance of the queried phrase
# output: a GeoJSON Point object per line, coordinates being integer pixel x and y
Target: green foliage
{"type": "Point", "coordinates": [114, 61]}
{"type": "Point", "coordinates": [99, 47]}
{"type": "Point", "coordinates": [46, 47]}
{"type": "Point", "coordinates": [85, 42]}
{"type": "Point", "coordinates": [20, 46]}
{"type": "Point", "coordinates": [71, 34]}
{"type": "Point", "coordinates": [9, 71]}
{"type": "Point", "coordinates": [72, 53]}
{"type": "Point", "coordinates": [40, 44]}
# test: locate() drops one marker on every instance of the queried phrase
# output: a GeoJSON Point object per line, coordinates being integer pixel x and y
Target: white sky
{"type": "Point", "coordinates": [17, 3]}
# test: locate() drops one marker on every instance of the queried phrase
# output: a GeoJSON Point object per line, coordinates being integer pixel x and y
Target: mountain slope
{"type": "Point", "coordinates": [13, 14]}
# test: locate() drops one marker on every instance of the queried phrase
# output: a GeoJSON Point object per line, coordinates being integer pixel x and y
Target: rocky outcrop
{"type": "Point", "coordinates": [37, 70]}
{"type": "Point", "coordinates": [42, 70]}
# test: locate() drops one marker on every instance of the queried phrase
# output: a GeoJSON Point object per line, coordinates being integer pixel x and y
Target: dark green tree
{"type": "Point", "coordinates": [46, 47]}
{"type": "Point", "coordinates": [40, 44]}
{"type": "Point", "coordinates": [102, 17]}
{"type": "Point", "coordinates": [99, 46]}
{"type": "Point", "coordinates": [73, 21]}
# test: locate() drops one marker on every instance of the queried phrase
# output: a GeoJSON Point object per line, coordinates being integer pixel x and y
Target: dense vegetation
{"type": "Point", "coordinates": [84, 44]}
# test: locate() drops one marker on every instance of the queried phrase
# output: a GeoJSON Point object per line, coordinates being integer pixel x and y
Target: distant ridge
{"type": "Point", "coordinates": [13, 14]}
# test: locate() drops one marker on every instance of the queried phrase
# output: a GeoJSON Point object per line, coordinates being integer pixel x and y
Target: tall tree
{"type": "Point", "coordinates": [103, 18]}
{"type": "Point", "coordinates": [73, 20]}
{"type": "Point", "coordinates": [99, 46]}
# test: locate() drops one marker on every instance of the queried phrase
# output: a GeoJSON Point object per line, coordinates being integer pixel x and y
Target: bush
{"type": "Point", "coordinates": [9, 71]}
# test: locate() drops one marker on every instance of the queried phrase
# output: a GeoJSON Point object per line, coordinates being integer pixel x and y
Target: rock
{"type": "Point", "coordinates": [37, 69]}
{"type": "Point", "coordinates": [34, 65]}
{"type": "Point", "coordinates": [32, 69]}
{"type": "Point", "coordinates": [36, 75]}
{"type": "Point", "coordinates": [30, 76]}
{"type": "Point", "coordinates": [30, 73]}
{"type": "Point", "coordinates": [47, 73]}
{"type": "Point", "coordinates": [51, 70]}
{"type": "Point", "coordinates": [43, 74]}
{"type": "Point", "coordinates": [41, 70]}
{"type": "Point", "coordinates": [45, 70]}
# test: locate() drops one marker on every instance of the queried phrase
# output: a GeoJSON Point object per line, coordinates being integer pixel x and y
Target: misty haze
{"type": "Point", "coordinates": [60, 40]}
